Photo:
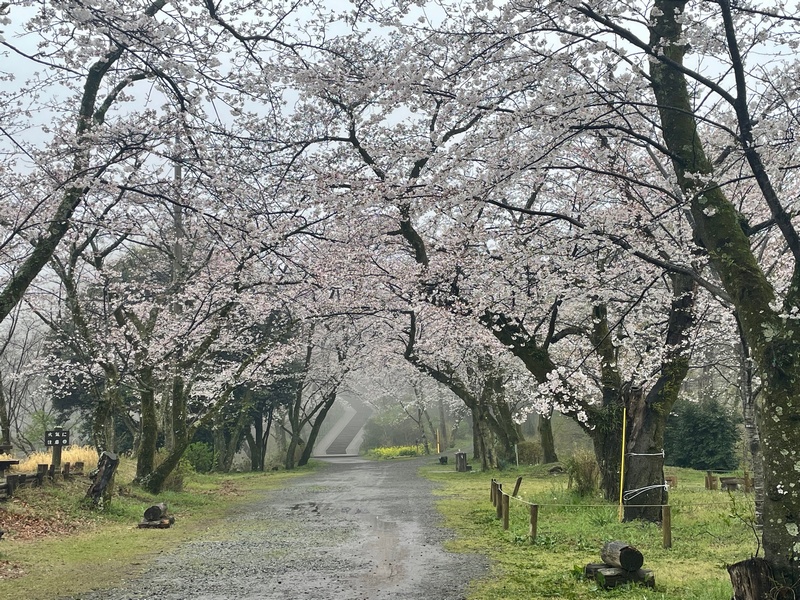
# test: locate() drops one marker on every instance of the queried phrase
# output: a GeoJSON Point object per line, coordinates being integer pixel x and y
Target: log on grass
{"type": "Point", "coordinates": [156, 512]}
{"type": "Point", "coordinates": [622, 555]}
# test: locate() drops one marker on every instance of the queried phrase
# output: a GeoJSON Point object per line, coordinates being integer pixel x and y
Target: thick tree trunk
{"type": "Point", "coordinates": [752, 437]}
{"type": "Point", "coordinates": [546, 438]}
{"type": "Point", "coordinates": [148, 427]}
{"type": "Point", "coordinates": [644, 483]}
{"type": "Point", "coordinates": [483, 439]}
{"type": "Point", "coordinates": [607, 444]}
{"type": "Point", "coordinates": [773, 340]}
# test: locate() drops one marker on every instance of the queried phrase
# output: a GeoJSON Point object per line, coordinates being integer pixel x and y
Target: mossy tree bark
{"type": "Point", "coordinates": [148, 425]}
{"type": "Point", "coordinates": [774, 341]}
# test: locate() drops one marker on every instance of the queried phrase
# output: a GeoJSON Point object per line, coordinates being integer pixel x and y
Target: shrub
{"type": "Point", "coordinates": [530, 453]}
{"type": "Point", "coordinates": [583, 471]}
{"type": "Point", "coordinates": [393, 452]}
{"type": "Point", "coordinates": [69, 454]}
{"type": "Point", "coordinates": [200, 456]}
{"type": "Point", "coordinates": [702, 436]}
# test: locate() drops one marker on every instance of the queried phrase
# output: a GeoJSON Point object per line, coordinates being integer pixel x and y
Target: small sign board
{"type": "Point", "coordinates": [59, 437]}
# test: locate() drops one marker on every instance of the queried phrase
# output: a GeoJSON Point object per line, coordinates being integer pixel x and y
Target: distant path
{"type": "Point", "coordinates": [344, 439]}
{"type": "Point", "coordinates": [356, 530]}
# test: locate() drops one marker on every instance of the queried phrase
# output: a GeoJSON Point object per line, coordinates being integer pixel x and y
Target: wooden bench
{"type": "Point", "coordinates": [731, 483]}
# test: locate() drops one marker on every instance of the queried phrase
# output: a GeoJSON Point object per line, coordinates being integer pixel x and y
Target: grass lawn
{"type": "Point", "coordinates": [710, 529]}
{"type": "Point", "coordinates": [53, 547]}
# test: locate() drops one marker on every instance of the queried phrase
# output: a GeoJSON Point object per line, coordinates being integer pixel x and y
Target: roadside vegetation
{"type": "Point", "coordinates": [394, 452]}
{"type": "Point", "coordinates": [55, 547]}
{"type": "Point", "coordinates": [710, 529]}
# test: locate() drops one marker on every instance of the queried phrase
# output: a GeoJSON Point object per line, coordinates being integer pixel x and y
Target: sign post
{"type": "Point", "coordinates": [57, 438]}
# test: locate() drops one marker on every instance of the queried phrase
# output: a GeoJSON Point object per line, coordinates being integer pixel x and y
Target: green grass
{"type": "Point", "coordinates": [709, 531]}
{"type": "Point", "coordinates": [109, 548]}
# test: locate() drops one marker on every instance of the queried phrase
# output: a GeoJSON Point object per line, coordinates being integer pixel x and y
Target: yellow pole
{"type": "Point", "coordinates": [622, 463]}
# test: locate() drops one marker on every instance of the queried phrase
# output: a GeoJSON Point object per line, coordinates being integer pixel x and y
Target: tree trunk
{"type": "Point", "coordinates": [444, 440]}
{"type": "Point", "coordinates": [607, 444]}
{"type": "Point", "coordinates": [773, 340]}
{"type": "Point", "coordinates": [5, 423]}
{"type": "Point", "coordinates": [483, 439]}
{"type": "Point", "coordinates": [752, 437]}
{"type": "Point", "coordinates": [154, 482]}
{"type": "Point", "coordinates": [148, 426]}
{"type": "Point", "coordinates": [644, 482]}
{"type": "Point", "coordinates": [546, 439]}
{"type": "Point", "coordinates": [315, 427]}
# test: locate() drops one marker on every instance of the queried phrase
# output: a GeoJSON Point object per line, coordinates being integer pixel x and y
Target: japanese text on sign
{"type": "Point", "coordinates": [56, 438]}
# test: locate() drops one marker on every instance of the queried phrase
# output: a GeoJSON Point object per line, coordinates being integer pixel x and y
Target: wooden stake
{"type": "Point", "coordinates": [534, 522]}
{"type": "Point", "coordinates": [666, 525]}
{"type": "Point", "coordinates": [499, 504]}
{"type": "Point", "coordinates": [506, 499]}
{"type": "Point", "coordinates": [516, 486]}
{"type": "Point", "coordinates": [493, 492]}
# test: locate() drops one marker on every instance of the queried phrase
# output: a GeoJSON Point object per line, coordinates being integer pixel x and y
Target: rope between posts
{"type": "Point", "coordinates": [521, 501]}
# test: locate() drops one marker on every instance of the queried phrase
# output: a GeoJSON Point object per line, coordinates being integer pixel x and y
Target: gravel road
{"type": "Point", "coordinates": [353, 530]}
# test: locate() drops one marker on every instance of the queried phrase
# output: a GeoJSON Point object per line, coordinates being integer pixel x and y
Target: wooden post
{"type": "Point", "coordinates": [79, 468]}
{"type": "Point", "coordinates": [65, 471]}
{"type": "Point", "coordinates": [11, 483]}
{"type": "Point", "coordinates": [499, 504]}
{"type": "Point", "coordinates": [41, 472]}
{"type": "Point", "coordinates": [56, 461]}
{"type": "Point", "coordinates": [666, 525]}
{"type": "Point", "coordinates": [493, 492]}
{"type": "Point", "coordinates": [534, 522]}
{"type": "Point", "coordinates": [516, 486]}
{"type": "Point", "coordinates": [506, 500]}
{"type": "Point", "coordinates": [748, 483]}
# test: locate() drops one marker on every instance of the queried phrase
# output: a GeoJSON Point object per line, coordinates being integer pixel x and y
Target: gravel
{"type": "Point", "coordinates": [353, 530]}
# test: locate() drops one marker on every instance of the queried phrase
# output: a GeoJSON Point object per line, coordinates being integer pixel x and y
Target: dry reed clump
{"type": "Point", "coordinates": [69, 454]}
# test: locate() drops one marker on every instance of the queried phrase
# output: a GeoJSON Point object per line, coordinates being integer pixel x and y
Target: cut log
{"type": "Point", "coordinates": [622, 555]}
{"type": "Point", "coordinates": [156, 512]}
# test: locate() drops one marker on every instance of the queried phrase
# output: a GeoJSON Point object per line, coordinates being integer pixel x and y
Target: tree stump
{"type": "Point", "coordinates": [752, 579]}
{"type": "Point", "coordinates": [461, 462]}
{"type": "Point", "coordinates": [103, 478]}
{"type": "Point", "coordinates": [622, 555]}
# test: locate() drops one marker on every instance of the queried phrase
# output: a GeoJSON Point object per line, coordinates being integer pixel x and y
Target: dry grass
{"type": "Point", "coordinates": [69, 454]}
